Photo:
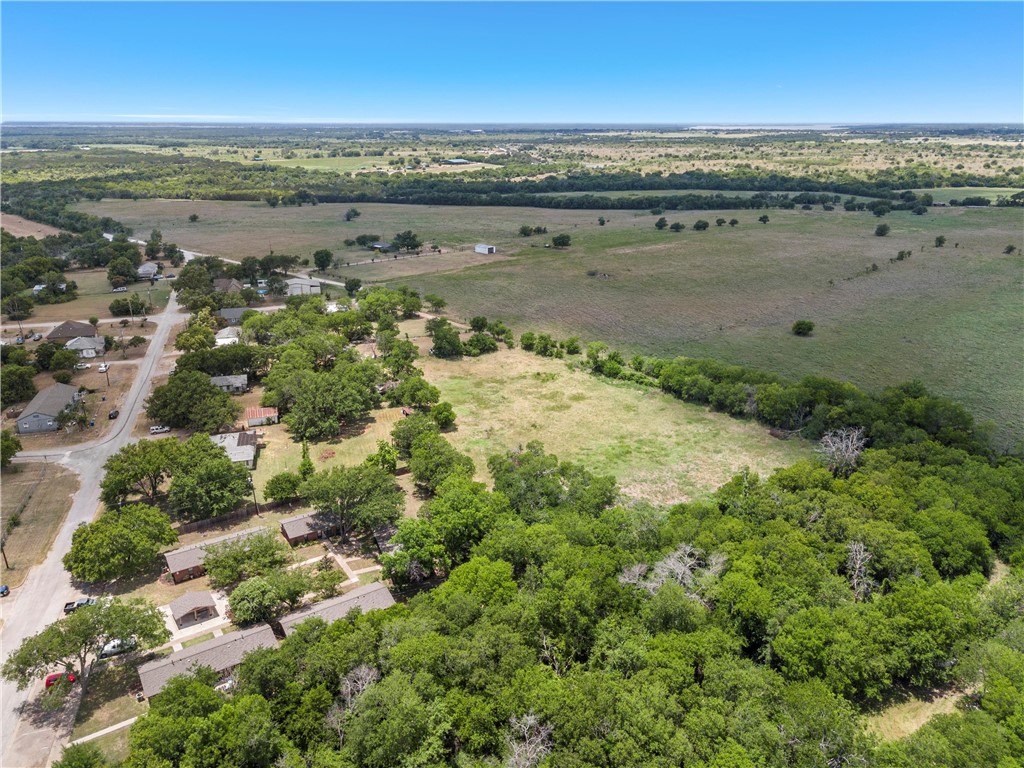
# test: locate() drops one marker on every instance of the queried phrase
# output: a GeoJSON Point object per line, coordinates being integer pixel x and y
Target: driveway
{"type": "Point", "coordinates": [40, 600]}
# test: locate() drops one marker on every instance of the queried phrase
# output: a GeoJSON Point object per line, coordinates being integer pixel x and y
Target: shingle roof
{"type": "Point", "coordinates": [239, 380]}
{"type": "Point", "coordinates": [189, 602]}
{"type": "Point", "coordinates": [231, 332]}
{"type": "Point", "coordinates": [232, 313]}
{"type": "Point", "coordinates": [302, 281]}
{"type": "Point", "coordinates": [226, 285]}
{"type": "Point", "coordinates": [52, 400]}
{"type": "Point", "coordinates": [311, 522]}
{"type": "Point", "coordinates": [71, 329]}
{"type": "Point", "coordinates": [221, 653]}
{"type": "Point", "coordinates": [368, 598]}
{"type": "Point", "coordinates": [194, 554]}
{"type": "Point", "coordinates": [86, 342]}
{"type": "Point", "coordinates": [149, 268]}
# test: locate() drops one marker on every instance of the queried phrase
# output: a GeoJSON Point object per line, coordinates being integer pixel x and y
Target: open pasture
{"type": "Point", "coordinates": [951, 317]}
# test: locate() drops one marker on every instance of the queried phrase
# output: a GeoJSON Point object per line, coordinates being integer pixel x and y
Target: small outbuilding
{"type": "Point", "coordinates": [484, 248]}
{"type": "Point", "coordinates": [258, 416]}
{"type": "Point", "coordinates": [301, 286]}
{"type": "Point", "coordinates": [193, 607]}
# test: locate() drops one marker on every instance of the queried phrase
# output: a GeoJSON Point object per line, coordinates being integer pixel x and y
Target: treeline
{"type": "Point", "coordinates": [746, 630]}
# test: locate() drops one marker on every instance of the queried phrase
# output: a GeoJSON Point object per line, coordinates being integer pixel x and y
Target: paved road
{"type": "Point", "coordinates": [37, 603]}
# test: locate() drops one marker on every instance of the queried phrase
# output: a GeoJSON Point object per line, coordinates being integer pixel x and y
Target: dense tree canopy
{"type": "Point", "coordinates": [120, 543]}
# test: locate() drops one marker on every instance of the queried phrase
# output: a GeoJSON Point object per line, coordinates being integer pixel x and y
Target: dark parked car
{"type": "Point", "coordinates": [113, 414]}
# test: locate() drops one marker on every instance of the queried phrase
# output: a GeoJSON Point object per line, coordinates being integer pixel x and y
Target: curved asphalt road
{"type": "Point", "coordinates": [40, 600]}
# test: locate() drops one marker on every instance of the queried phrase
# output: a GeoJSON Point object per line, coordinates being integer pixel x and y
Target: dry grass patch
{"type": "Point", "coordinates": [107, 700]}
{"type": "Point", "coordinates": [900, 720]}
{"type": "Point", "coordinates": [21, 227]}
{"type": "Point", "coordinates": [660, 449]}
{"type": "Point", "coordinates": [114, 746]}
{"type": "Point", "coordinates": [41, 495]}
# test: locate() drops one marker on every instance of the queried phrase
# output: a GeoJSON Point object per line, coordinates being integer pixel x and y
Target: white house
{"type": "Point", "coordinates": [484, 248]}
{"type": "Point", "coordinates": [148, 270]}
{"type": "Point", "coordinates": [87, 347]}
{"type": "Point", "coordinates": [229, 335]}
{"type": "Point", "coordinates": [301, 286]}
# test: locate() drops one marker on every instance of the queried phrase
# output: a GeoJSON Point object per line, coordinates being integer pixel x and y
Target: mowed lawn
{"type": "Point", "coordinates": [951, 317]}
{"type": "Point", "coordinates": [94, 298]}
{"type": "Point", "coordinates": [660, 449]}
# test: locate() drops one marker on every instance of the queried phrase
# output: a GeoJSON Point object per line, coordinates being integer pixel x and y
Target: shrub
{"type": "Point", "coordinates": [803, 328]}
{"type": "Point", "coordinates": [882, 230]}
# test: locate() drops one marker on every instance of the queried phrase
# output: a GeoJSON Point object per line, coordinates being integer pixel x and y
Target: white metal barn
{"type": "Point", "coordinates": [484, 248]}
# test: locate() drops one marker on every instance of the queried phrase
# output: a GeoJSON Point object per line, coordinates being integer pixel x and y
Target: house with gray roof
{"type": "Point", "coordinates": [87, 347]}
{"type": "Point", "coordinates": [222, 654]}
{"type": "Point", "coordinates": [227, 285]}
{"type": "Point", "coordinates": [192, 607]}
{"type": "Point", "coordinates": [187, 562]}
{"type": "Point", "coordinates": [301, 286]}
{"type": "Point", "coordinates": [233, 385]}
{"type": "Point", "coordinates": [369, 598]}
{"type": "Point", "coordinates": [310, 527]}
{"type": "Point", "coordinates": [241, 447]}
{"type": "Point", "coordinates": [232, 315]}
{"type": "Point", "coordinates": [148, 270]}
{"type": "Point", "coordinates": [229, 335]}
{"type": "Point", "coordinates": [40, 415]}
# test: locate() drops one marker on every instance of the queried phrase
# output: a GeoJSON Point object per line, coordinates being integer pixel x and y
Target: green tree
{"type": "Point", "coordinates": [405, 432]}
{"type": "Point", "coordinates": [719, 222]}
{"type": "Point", "coordinates": [443, 415]}
{"type": "Point", "coordinates": [16, 384]}
{"type": "Point", "coordinates": [352, 285]}
{"type": "Point", "coordinates": [9, 445]}
{"type": "Point", "coordinates": [406, 240]}
{"type": "Point", "coordinates": [154, 244]}
{"type": "Point", "coordinates": [206, 483]}
{"type": "Point", "coordinates": [700, 225]}
{"type": "Point", "coordinates": [75, 641]}
{"type": "Point", "coordinates": [385, 458]}
{"type": "Point", "coordinates": [351, 214]}
{"type": "Point", "coordinates": [435, 302]}
{"type": "Point", "coordinates": [803, 328]}
{"type": "Point", "coordinates": [284, 486]}
{"type": "Point", "coordinates": [259, 554]}
{"type": "Point", "coordinates": [525, 231]}
{"type": "Point", "coordinates": [561, 241]}
{"type": "Point", "coordinates": [140, 467]}
{"type": "Point", "coordinates": [85, 755]}
{"type": "Point", "coordinates": [414, 391]}
{"type": "Point", "coordinates": [940, 241]}
{"type": "Point", "coordinates": [17, 307]}
{"type": "Point", "coordinates": [188, 399]}
{"type": "Point", "coordinates": [733, 222]}
{"type": "Point", "coordinates": [882, 230]}
{"type": "Point", "coordinates": [193, 218]}
{"type": "Point", "coordinates": [254, 600]}
{"type": "Point", "coordinates": [323, 259]}
{"type": "Point", "coordinates": [677, 226]}
{"type": "Point", "coordinates": [120, 272]}
{"type": "Point", "coordinates": [763, 218]}
{"type": "Point", "coordinates": [323, 404]}
{"type": "Point", "coordinates": [362, 498]}
{"type": "Point", "coordinates": [661, 223]}
{"type": "Point", "coordinates": [433, 460]}
{"type": "Point", "coordinates": [64, 360]}
{"type": "Point", "coordinates": [389, 719]}
{"type": "Point", "coordinates": [446, 341]}
{"type": "Point", "coordinates": [120, 543]}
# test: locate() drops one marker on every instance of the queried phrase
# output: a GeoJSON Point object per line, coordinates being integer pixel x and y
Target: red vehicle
{"type": "Point", "coordinates": [51, 680]}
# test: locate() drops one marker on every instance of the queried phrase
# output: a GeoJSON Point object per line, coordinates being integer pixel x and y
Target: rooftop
{"type": "Point", "coordinates": [71, 329]}
{"type": "Point", "coordinates": [194, 554]}
{"type": "Point", "coordinates": [259, 412]}
{"type": "Point", "coordinates": [52, 400]}
{"type": "Point", "coordinates": [189, 602]}
{"type": "Point", "coordinates": [311, 522]}
{"type": "Point", "coordinates": [221, 653]}
{"type": "Point", "coordinates": [368, 598]}
{"type": "Point", "coordinates": [240, 380]}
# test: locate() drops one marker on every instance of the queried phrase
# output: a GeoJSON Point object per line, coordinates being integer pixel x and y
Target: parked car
{"type": "Point", "coordinates": [159, 430]}
{"type": "Point", "coordinates": [20, 340]}
{"type": "Point", "coordinates": [52, 679]}
{"type": "Point", "coordinates": [122, 289]}
{"type": "Point", "coordinates": [4, 590]}
{"type": "Point", "coordinates": [115, 647]}
{"type": "Point", "coordinates": [170, 276]}
{"type": "Point", "coordinates": [36, 336]}
{"type": "Point", "coordinates": [74, 605]}
{"type": "Point", "coordinates": [82, 366]}
{"type": "Point", "coordinates": [104, 367]}
{"type": "Point", "coordinates": [113, 414]}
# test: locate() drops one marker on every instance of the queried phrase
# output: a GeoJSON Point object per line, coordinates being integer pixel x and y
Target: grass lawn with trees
{"type": "Point", "coordinates": [107, 700]}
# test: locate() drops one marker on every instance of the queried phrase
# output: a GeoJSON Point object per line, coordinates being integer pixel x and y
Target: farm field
{"type": "Point", "coordinates": [951, 317]}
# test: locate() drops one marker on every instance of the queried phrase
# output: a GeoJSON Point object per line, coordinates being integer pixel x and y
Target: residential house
{"type": "Point", "coordinates": [43, 286]}
{"type": "Point", "coordinates": [310, 527]}
{"type": "Point", "coordinates": [232, 315]}
{"type": "Point", "coordinates": [301, 286]}
{"type": "Point", "coordinates": [227, 285]}
{"type": "Point", "coordinates": [233, 385]}
{"type": "Point", "coordinates": [372, 597]}
{"type": "Point", "coordinates": [241, 447]}
{"type": "Point", "coordinates": [40, 415]}
{"type": "Point", "coordinates": [222, 654]}
{"type": "Point", "coordinates": [71, 329]}
{"type": "Point", "coordinates": [193, 607]}
{"type": "Point", "coordinates": [148, 271]}
{"type": "Point", "coordinates": [258, 416]}
{"type": "Point", "coordinates": [187, 562]}
{"type": "Point", "coordinates": [87, 347]}
{"type": "Point", "coordinates": [229, 335]}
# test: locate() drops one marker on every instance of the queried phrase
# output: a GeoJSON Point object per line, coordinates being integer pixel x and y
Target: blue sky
{"type": "Point", "coordinates": [514, 62]}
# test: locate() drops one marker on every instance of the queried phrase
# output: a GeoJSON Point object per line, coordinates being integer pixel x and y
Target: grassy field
{"type": "Point", "coordinates": [114, 746]}
{"type": "Point", "coordinates": [950, 316]}
{"type": "Point", "coordinates": [41, 495]}
{"type": "Point", "coordinates": [945, 194]}
{"type": "Point", "coordinates": [660, 449]}
{"type": "Point", "coordinates": [107, 701]}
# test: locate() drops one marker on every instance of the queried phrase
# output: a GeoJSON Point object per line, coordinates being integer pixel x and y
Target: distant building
{"type": "Point", "coordinates": [42, 286]}
{"type": "Point", "coordinates": [381, 246]}
{"type": "Point", "coordinates": [241, 447]}
{"type": "Point", "coordinates": [187, 562]}
{"type": "Point", "coordinates": [71, 329]}
{"type": "Point", "coordinates": [484, 248]}
{"type": "Point", "coordinates": [40, 415]}
{"type": "Point", "coordinates": [87, 347]}
{"type": "Point", "coordinates": [456, 161]}
{"type": "Point", "coordinates": [301, 286]}
{"type": "Point", "coordinates": [227, 285]}
{"type": "Point", "coordinates": [232, 315]}
{"type": "Point", "coordinates": [222, 654]}
{"type": "Point", "coordinates": [148, 270]}
{"type": "Point", "coordinates": [258, 416]}
{"type": "Point", "coordinates": [226, 336]}
{"type": "Point", "coordinates": [233, 385]}
{"type": "Point", "coordinates": [372, 597]}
